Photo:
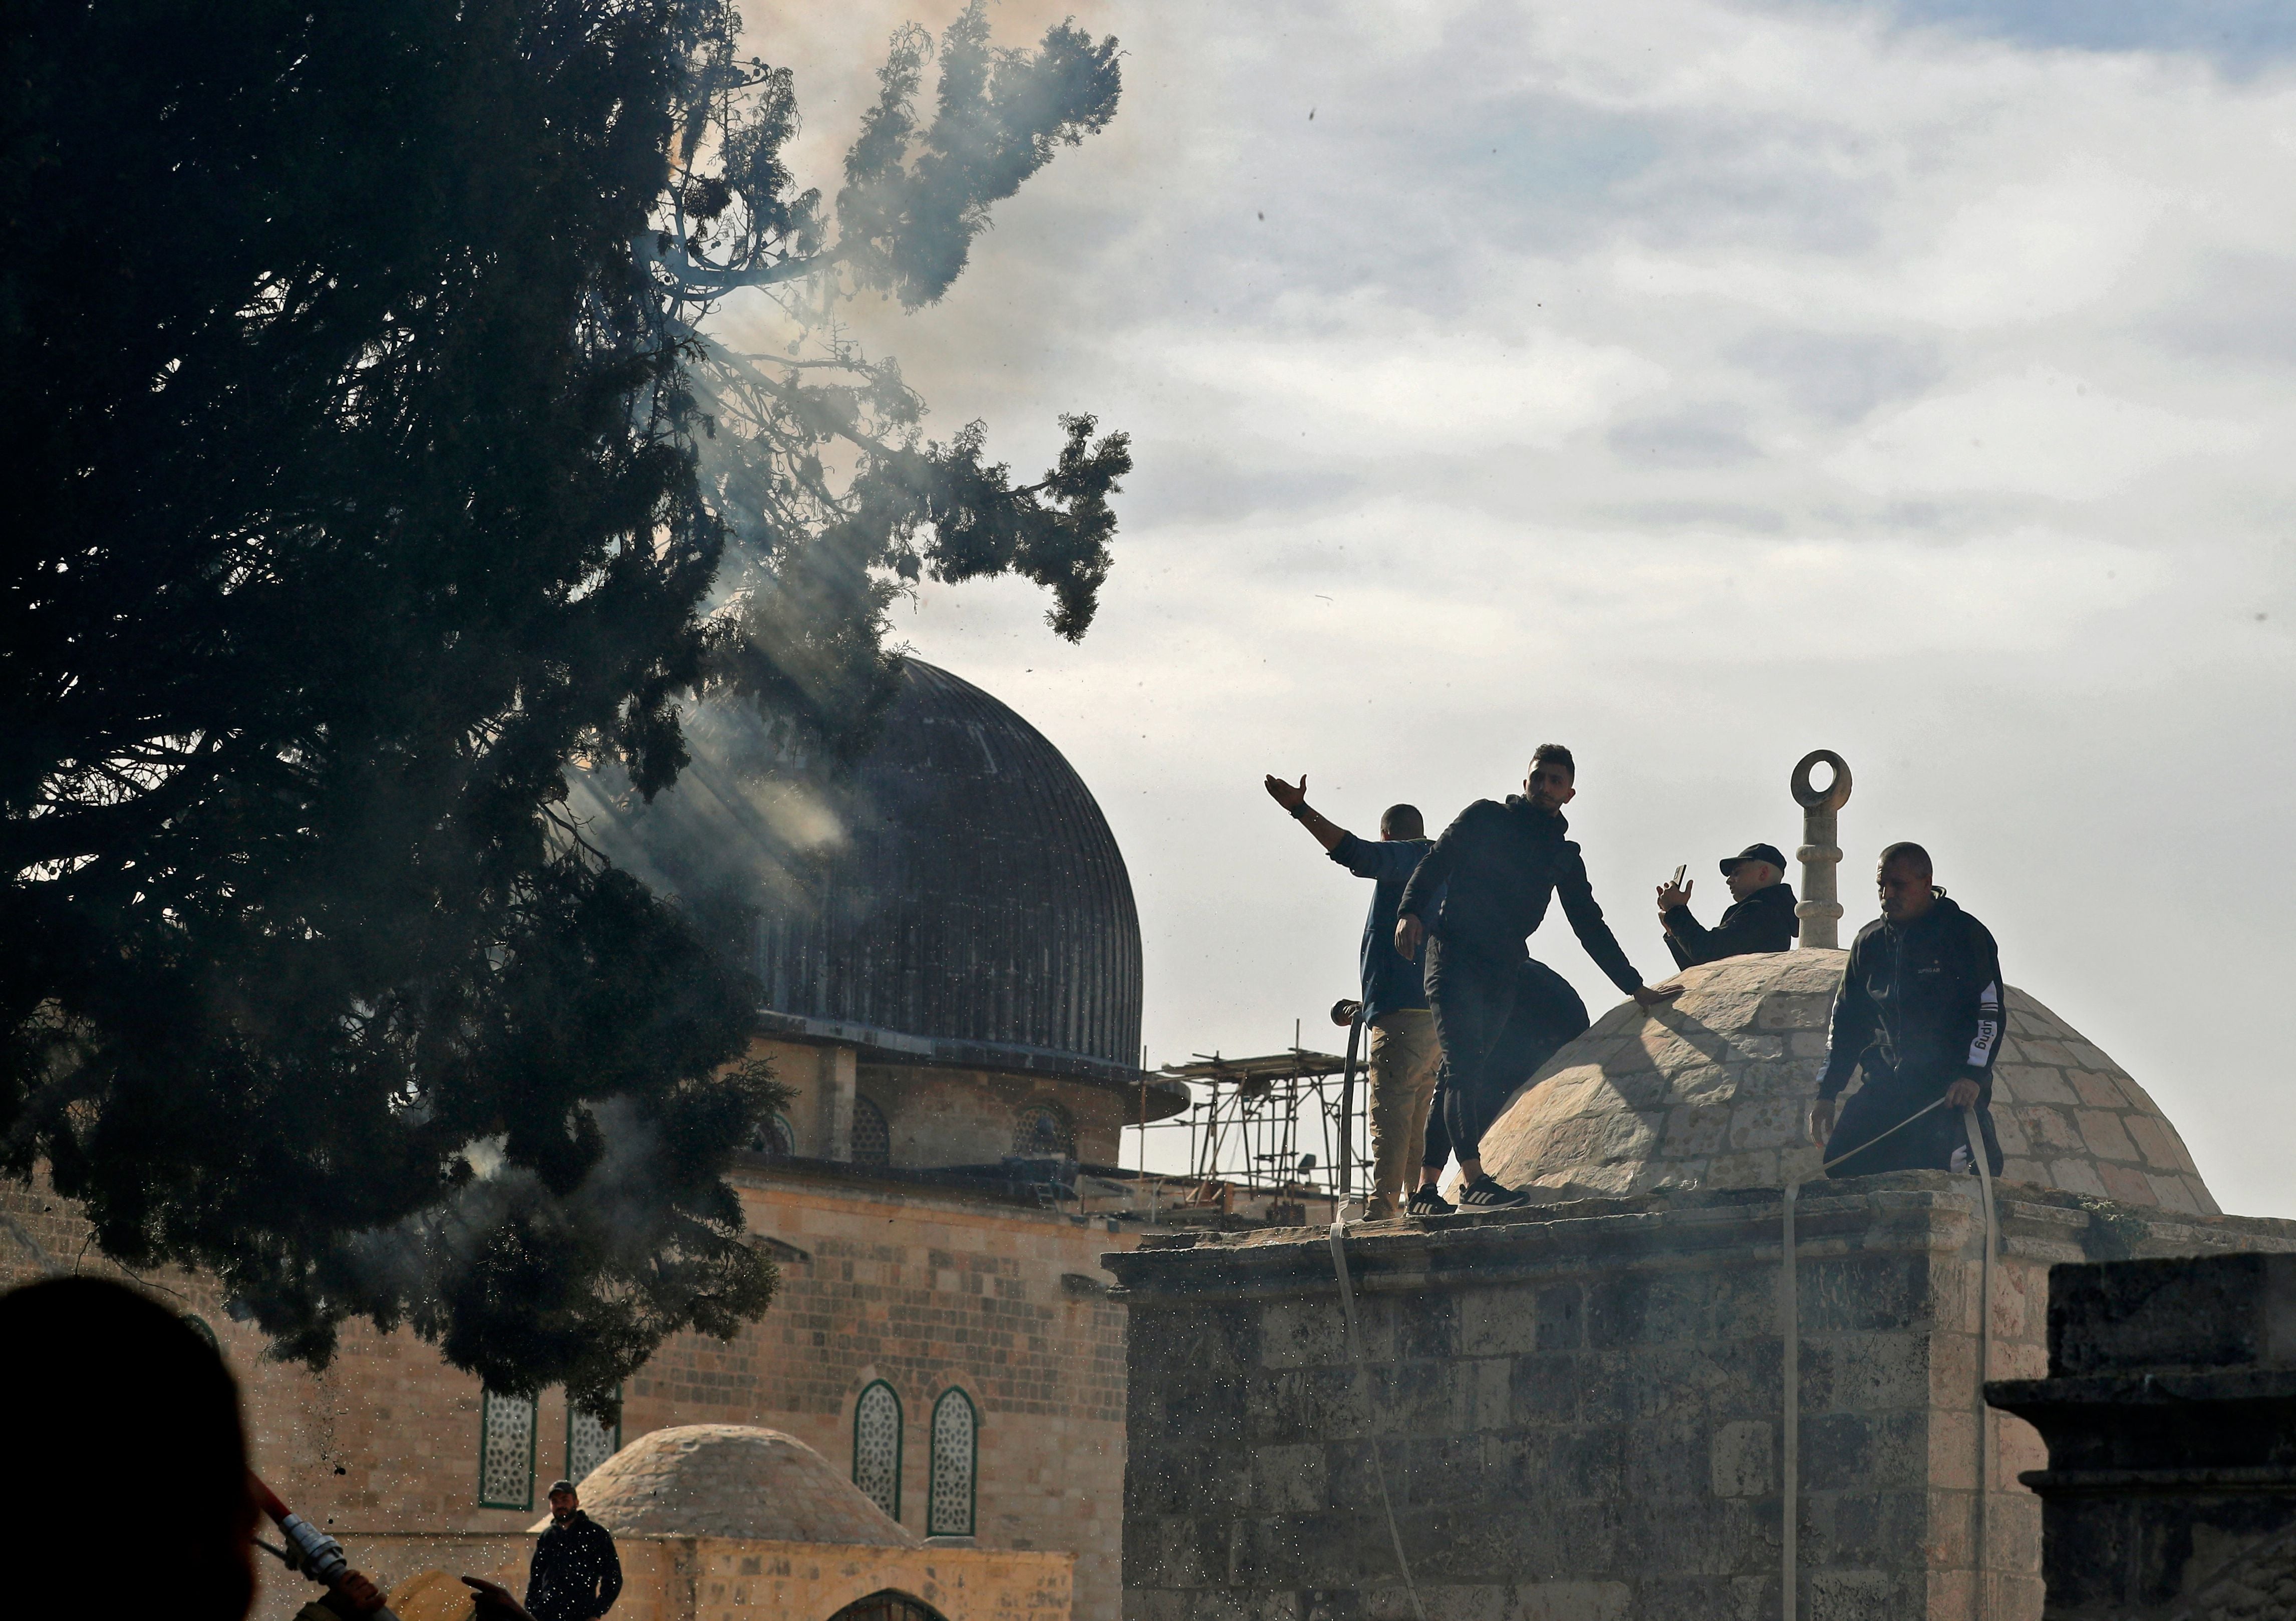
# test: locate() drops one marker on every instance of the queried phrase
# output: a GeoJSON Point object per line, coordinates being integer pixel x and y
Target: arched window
{"type": "Point", "coordinates": [505, 1450]}
{"type": "Point", "coordinates": [775, 1135]}
{"type": "Point", "coordinates": [872, 1139]}
{"type": "Point", "coordinates": [589, 1442]}
{"type": "Point", "coordinates": [887, 1606]}
{"type": "Point", "coordinates": [955, 1463]}
{"type": "Point", "coordinates": [1043, 1133]}
{"type": "Point", "coordinates": [877, 1447]}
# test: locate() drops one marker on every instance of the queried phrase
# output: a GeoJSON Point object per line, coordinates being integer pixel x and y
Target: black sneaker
{"type": "Point", "coordinates": [1484, 1194]}
{"type": "Point", "coordinates": [1427, 1202]}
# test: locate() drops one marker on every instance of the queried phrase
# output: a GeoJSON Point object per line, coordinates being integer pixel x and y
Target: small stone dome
{"type": "Point", "coordinates": [1712, 1091]}
{"type": "Point", "coordinates": [731, 1480]}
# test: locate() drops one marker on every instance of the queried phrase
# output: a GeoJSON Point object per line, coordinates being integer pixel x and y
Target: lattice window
{"type": "Point", "coordinates": [956, 1461]}
{"type": "Point", "coordinates": [887, 1606]}
{"type": "Point", "coordinates": [1043, 1133]}
{"type": "Point", "coordinates": [776, 1136]}
{"type": "Point", "coordinates": [872, 1139]}
{"type": "Point", "coordinates": [505, 1452]}
{"type": "Point", "coordinates": [589, 1442]}
{"type": "Point", "coordinates": [877, 1447]}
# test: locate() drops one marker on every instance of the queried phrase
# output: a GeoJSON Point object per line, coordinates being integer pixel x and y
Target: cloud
{"type": "Point", "coordinates": [1697, 382]}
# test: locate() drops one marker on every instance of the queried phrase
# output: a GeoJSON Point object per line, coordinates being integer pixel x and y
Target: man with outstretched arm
{"type": "Point", "coordinates": [1760, 917]}
{"type": "Point", "coordinates": [1404, 1052]}
{"type": "Point", "coordinates": [1919, 1013]}
{"type": "Point", "coordinates": [1500, 1014]}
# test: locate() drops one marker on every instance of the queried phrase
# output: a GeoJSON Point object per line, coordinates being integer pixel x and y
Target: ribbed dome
{"type": "Point", "coordinates": [1713, 1091]}
{"type": "Point", "coordinates": [961, 887]}
{"type": "Point", "coordinates": [731, 1480]}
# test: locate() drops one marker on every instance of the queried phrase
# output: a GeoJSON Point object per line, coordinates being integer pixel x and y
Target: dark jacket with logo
{"type": "Point", "coordinates": [1919, 1004]}
{"type": "Point", "coordinates": [1390, 980]}
{"type": "Point", "coordinates": [1484, 888]}
{"type": "Point", "coordinates": [1764, 921]}
{"type": "Point", "coordinates": [574, 1575]}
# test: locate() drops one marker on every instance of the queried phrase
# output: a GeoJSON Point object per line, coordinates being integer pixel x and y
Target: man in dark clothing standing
{"type": "Point", "coordinates": [1760, 918]}
{"type": "Point", "coordinates": [1919, 1012]}
{"type": "Point", "coordinates": [1403, 1053]}
{"type": "Point", "coordinates": [574, 1575]}
{"type": "Point", "coordinates": [1500, 1014]}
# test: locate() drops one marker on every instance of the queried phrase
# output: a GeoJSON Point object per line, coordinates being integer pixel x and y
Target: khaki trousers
{"type": "Point", "coordinates": [1405, 1056]}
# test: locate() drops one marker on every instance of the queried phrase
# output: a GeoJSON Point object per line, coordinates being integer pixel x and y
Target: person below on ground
{"type": "Point", "coordinates": [1474, 902]}
{"type": "Point", "coordinates": [1404, 1052]}
{"type": "Point", "coordinates": [1760, 917]}
{"type": "Point", "coordinates": [574, 1575]}
{"type": "Point", "coordinates": [1919, 1012]}
{"type": "Point", "coordinates": [102, 1375]}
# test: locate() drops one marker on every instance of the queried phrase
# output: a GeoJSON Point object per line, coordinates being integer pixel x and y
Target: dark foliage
{"type": "Point", "coordinates": [360, 476]}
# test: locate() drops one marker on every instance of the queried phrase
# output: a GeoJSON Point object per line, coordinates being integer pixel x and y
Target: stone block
{"type": "Point", "coordinates": [1772, 1123]}
{"type": "Point", "coordinates": [1695, 1129]}
{"type": "Point", "coordinates": [1785, 1011]}
{"type": "Point", "coordinates": [1498, 1322]}
{"type": "Point", "coordinates": [2097, 1091]}
{"type": "Point", "coordinates": [2077, 1176]}
{"type": "Point", "coordinates": [1569, 1601]}
{"type": "Point", "coordinates": [2171, 1193]}
{"type": "Point", "coordinates": [1312, 1332]}
{"type": "Point", "coordinates": [2127, 1183]}
{"type": "Point", "coordinates": [2037, 1083]}
{"type": "Point", "coordinates": [2102, 1134]}
{"type": "Point", "coordinates": [2160, 1150]}
{"type": "Point", "coordinates": [1752, 1169]}
{"type": "Point", "coordinates": [1858, 1595]}
{"type": "Point", "coordinates": [1739, 1459]}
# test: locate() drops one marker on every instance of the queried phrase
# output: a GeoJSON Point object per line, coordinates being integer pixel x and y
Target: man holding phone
{"type": "Point", "coordinates": [1760, 917]}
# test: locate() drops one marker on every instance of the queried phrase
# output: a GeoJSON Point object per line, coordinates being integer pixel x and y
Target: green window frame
{"type": "Point", "coordinates": [579, 1463]}
{"type": "Point", "coordinates": [504, 1423]}
{"type": "Point", "coordinates": [877, 1426]}
{"type": "Point", "coordinates": [954, 1482]}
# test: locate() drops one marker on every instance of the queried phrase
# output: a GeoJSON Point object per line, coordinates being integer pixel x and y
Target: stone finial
{"type": "Point", "coordinates": [1820, 910]}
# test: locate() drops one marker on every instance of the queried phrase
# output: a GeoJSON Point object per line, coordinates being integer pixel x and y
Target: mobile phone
{"type": "Point", "coordinates": [1679, 872]}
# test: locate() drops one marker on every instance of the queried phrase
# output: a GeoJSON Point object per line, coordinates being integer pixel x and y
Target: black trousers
{"type": "Point", "coordinates": [1499, 1019]}
{"type": "Point", "coordinates": [1879, 1102]}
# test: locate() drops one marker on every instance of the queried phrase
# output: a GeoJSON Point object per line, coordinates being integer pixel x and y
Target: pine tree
{"type": "Point", "coordinates": [370, 463]}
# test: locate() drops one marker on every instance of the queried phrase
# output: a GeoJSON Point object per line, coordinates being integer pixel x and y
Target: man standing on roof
{"type": "Point", "coordinates": [1760, 917]}
{"type": "Point", "coordinates": [1479, 894]}
{"type": "Point", "coordinates": [1403, 1053]}
{"type": "Point", "coordinates": [1919, 1011]}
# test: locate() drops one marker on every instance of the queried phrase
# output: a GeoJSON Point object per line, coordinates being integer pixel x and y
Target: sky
{"type": "Point", "coordinates": [1695, 384]}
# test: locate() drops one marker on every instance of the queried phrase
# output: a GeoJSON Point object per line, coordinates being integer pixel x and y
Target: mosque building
{"type": "Point", "coordinates": [949, 960]}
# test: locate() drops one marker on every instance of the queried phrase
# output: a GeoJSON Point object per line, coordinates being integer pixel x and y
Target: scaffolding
{"type": "Point", "coordinates": [1284, 1128]}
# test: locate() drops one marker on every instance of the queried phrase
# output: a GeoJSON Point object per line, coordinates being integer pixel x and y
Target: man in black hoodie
{"type": "Point", "coordinates": [1919, 1011]}
{"type": "Point", "coordinates": [1760, 918]}
{"type": "Point", "coordinates": [1499, 1014]}
{"type": "Point", "coordinates": [574, 1575]}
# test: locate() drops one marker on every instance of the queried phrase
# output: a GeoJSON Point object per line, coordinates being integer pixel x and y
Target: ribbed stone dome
{"type": "Point", "coordinates": [1713, 1091]}
{"type": "Point", "coordinates": [732, 1480]}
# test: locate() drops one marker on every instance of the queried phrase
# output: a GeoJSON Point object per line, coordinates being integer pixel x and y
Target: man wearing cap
{"type": "Point", "coordinates": [1760, 917]}
{"type": "Point", "coordinates": [1405, 1054]}
{"type": "Point", "coordinates": [575, 1575]}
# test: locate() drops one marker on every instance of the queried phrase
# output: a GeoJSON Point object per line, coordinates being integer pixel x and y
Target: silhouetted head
{"type": "Point", "coordinates": [1554, 780]}
{"type": "Point", "coordinates": [1905, 882]}
{"type": "Point", "coordinates": [102, 1376]}
{"type": "Point", "coordinates": [1401, 822]}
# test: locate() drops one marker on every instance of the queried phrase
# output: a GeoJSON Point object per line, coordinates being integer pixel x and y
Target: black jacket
{"type": "Point", "coordinates": [574, 1575]}
{"type": "Point", "coordinates": [1919, 1004]}
{"type": "Point", "coordinates": [1501, 864]}
{"type": "Point", "coordinates": [1764, 921]}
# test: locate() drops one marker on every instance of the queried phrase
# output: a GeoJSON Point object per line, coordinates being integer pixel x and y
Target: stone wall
{"type": "Point", "coordinates": [921, 1287]}
{"type": "Point", "coordinates": [684, 1578]}
{"type": "Point", "coordinates": [1580, 1407]}
{"type": "Point", "coordinates": [2169, 1414]}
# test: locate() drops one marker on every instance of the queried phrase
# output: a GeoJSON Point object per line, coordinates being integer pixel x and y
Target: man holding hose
{"type": "Point", "coordinates": [1920, 1012]}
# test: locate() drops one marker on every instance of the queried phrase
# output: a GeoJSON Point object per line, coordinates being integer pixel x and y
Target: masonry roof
{"type": "Point", "coordinates": [1713, 1090]}
{"type": "Point", "coordinates": [734, 1481]}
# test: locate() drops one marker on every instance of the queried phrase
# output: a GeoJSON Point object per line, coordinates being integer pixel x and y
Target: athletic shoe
{"type": "Point", "coordinates": [1427, 1202]}
{"type": "Point", "coordinates": [1484, 1194]}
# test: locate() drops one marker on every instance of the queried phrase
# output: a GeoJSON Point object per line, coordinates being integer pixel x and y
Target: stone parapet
{"type": "Point", "coordinates": [2170, 1417]}
{"type": "Point", "coordinates": [1579, 1409]}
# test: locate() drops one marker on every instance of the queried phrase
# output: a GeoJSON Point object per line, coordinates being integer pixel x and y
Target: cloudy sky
{"type": "Point", "coordinates": [1695, 384]}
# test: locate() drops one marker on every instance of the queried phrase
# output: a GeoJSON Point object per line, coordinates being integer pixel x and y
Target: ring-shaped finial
{"type": "Point", "coordinates": [1834, 796]}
